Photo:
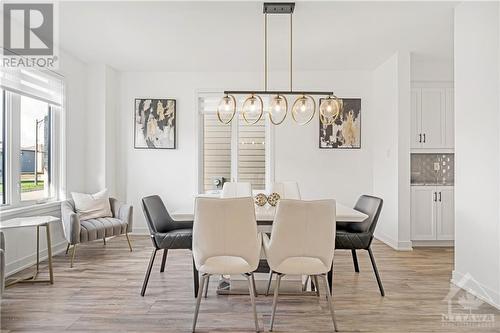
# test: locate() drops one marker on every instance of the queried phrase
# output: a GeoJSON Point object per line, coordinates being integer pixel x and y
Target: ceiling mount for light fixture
{"type": "Point", "coordinates": [304, 106]}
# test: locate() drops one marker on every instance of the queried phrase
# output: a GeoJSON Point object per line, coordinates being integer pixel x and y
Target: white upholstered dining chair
{"type": "Point", "coordinates": [302, 243]}
{"type": "Point", "coordinates": [286, 190]}
{"type": "Point", "coordinates": [226, 241]}
{"type": "Point", "coordinates": [236, 190]}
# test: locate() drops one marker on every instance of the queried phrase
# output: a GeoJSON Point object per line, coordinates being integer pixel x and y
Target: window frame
{"type": "Point", "coordinates": [12, 147]}
{"type": "Point", "coordinates": [269, 144]}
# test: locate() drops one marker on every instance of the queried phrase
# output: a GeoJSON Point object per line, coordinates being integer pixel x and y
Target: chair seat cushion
{"type": "Point", "coordinates": [345, 240]}
{"type": "Point", "coordinates": [174, 239]}
{"type": "Point", "coordinates": [226, 265]}
{"type": "Point", "coordinates": [101, 227]}
{"type": "Point", "coordinates": [302, 265]}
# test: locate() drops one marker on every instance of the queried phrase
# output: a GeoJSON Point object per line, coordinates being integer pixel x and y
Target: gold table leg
{"type": "Point", "coordinates": [33, 279]}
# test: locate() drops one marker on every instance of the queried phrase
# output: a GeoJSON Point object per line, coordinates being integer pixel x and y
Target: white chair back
{"type": "Point", "coordinates": [225, 227]}
{"type": "Point", "coordinates": [287, 190]}
{"type": "Point", "coordinates": [236, 190]}
{"type": "Point", "coordinates": [303, 229]}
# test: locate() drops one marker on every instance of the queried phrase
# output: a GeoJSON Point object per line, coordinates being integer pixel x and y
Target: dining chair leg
{"type": "Point", "coordinates": [163, 260]}
{"type": "Point", "coordinates": [304, 286]}
{"type": "Point", "coordinates": [330, 303]}
{"type": "Point", "coordinates": [355, 260]}
{"type": "Point", "coordinates": [148, 272]}
{"type": "Point", "coordinates": [254, 285]}
{"type": "Point", "coordinates": [275, 299]}
{"type": "Point", "coordinates": [67, 248]}
{"type": "Point", "coordinates": [73, 256]}
{"type": "Point", "coordinates": [316, 284]}
{"type": "Point", "coordinates": [269, 282]}
{"type": "Point", "coordinates": [198, 300]}
{"type": "Point", "coordinates": [379, 281]}
{"type": "Point", "coordinates": [196, 280]}
{"type": "Point", "coordinates": [252, 292]}
{"type": "Point", "coordinates": [104, 239]}
{"type": "Point", "coordinates": [206, 286]}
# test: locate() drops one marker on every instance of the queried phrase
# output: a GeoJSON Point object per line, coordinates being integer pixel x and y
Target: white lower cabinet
{"type": "Point", "coordinates": [432, 213]}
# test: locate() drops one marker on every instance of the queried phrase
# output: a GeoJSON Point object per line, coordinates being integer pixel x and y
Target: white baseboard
{"type": "Point", "coordinates": [30, 260]}
{"type": "Point", "coordinates": [140, 231]}
{"type": "Point", "coordinates": [433, 243]}
{"type": "Point", "coordinates": [476, 288]}
{"type": "Point", "coordinates": [395, 244]}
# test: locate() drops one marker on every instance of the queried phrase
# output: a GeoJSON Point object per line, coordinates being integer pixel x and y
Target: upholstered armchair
{"type": "Point", "coordinates": [2, 263]}
{"type": "Point", "coordinates": [78, 231]}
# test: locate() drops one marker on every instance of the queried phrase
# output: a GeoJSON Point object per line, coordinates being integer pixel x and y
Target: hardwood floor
{"type": "Point", "coordinates": [102, 294]}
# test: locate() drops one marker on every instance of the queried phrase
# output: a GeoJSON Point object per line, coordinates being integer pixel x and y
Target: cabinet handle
{"type": "Point", "coordinates": [420, 138]}
{"type": "Point", "coordinates": [439, 196]}
{"type": "Point", "coordinates": [424, 137]}
{"type": "Point", "coordinates": [435, 196]}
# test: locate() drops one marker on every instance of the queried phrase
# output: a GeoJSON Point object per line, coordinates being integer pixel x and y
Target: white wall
{"type": "Point", "coordinates": [173, 173]}
{"type": "Point", "coordinates": [477, 149]}
{"type": "Point", "coordinates": [433, 70]}
{"type": "Point", "coordinates": [391, 178]}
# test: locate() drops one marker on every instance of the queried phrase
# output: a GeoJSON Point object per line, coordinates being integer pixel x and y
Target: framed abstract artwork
{"type": "Point", "coordinates": [345, 130]}
{"type": "Point", "coordinates": [155, 123]}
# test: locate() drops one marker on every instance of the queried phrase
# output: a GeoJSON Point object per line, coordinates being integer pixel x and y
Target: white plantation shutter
{"type": "Point", "coordinates": [216, 142]}
{"type": "Point", "coordinates": [34, 83]}
{"type": "Point", "coordinates": [252, 153]}
{"type": "Point", "coordinates": [237, 144]}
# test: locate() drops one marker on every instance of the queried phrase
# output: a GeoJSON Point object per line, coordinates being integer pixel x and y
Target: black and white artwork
{"type": "Point", "coordinates": [345, 132]}
{"type": "Point", "coordinates": [155, 123]}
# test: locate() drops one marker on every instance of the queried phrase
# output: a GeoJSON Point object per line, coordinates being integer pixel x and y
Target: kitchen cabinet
{"type": "Point", "coordinates": [432, 213]}
{"type": "Point", "coordinates": [432, 118]}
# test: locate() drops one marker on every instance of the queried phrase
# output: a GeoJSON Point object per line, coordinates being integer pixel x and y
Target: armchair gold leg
{"type": "Point", "coordinates": [73, 255]}
{"type": "Point", "coordinates": [128, 240]}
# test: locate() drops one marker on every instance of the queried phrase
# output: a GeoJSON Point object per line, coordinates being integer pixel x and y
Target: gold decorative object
{"type": "Point", "coordinates": [260, 199]}
{"type": "Point", "coordinates": [279, 106]}
{"type": "Point", "coordinates": [273, 199]}
{"type": "Point", "coordinates": [303, 107]}
{"type": "Point", "coordinates": [226, 105]}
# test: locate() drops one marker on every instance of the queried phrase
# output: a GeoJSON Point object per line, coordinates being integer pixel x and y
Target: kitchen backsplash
{"type": "Point", "coordinates": [432, 169]}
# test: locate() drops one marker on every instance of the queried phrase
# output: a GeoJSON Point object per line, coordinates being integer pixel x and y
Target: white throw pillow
{"type": "Point", "coordinates": [91, 206]}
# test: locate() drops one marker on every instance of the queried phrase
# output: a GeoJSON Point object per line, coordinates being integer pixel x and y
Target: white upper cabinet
{"type": "Point", "coordinates": [432, 118]}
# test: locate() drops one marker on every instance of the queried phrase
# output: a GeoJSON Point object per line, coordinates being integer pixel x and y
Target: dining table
{"type": "Point", "coordinates": [264, 216]}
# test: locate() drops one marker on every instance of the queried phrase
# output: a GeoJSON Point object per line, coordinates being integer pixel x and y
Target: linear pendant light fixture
{"type": "Point", "coordinates": [304, 106]}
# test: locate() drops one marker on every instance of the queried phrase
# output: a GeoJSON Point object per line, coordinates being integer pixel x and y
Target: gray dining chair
{"type": "Point", "coordinates": [359, 235]}
{"type": "Point", "coordinates": [166, 234]}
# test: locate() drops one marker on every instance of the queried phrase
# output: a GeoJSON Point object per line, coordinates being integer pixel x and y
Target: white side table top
{"type": "Point", "coordinates": [23, 222]}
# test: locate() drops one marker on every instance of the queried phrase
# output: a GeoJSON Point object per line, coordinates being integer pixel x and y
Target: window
{"type": "Point", "coordinates": [35, 149]}
{"type": "Point", "coordinates": [30, 126]}
{"type": "Point", "coordinates": [237, 152]}
{"type": "Point", "coordinates": [2, 150]}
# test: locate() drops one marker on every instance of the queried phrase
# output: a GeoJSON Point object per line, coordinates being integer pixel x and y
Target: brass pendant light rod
{"type": "Point", "coordinates": [276, 92]}
{"type": "Point", "coordinates": [291, 51]}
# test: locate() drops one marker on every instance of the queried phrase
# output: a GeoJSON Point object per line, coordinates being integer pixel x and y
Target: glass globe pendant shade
{"type": "Point", "coordinates": [253, 108]}
{"type": "Point", "coordinates": [226, 109]}
{"type": "Point", "coordinates": [303, 109]}
{"type": "Point", "coordinates": [278, 109]}
{"type": "Point", "coordinates": [330, 109]}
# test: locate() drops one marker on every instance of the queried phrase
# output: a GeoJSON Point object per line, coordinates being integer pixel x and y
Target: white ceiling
{"type": "Point", "coordinates": [228, 36]}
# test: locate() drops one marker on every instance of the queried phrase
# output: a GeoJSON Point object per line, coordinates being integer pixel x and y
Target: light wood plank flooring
{"type": "Point", "coordinates": [101, 294]}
